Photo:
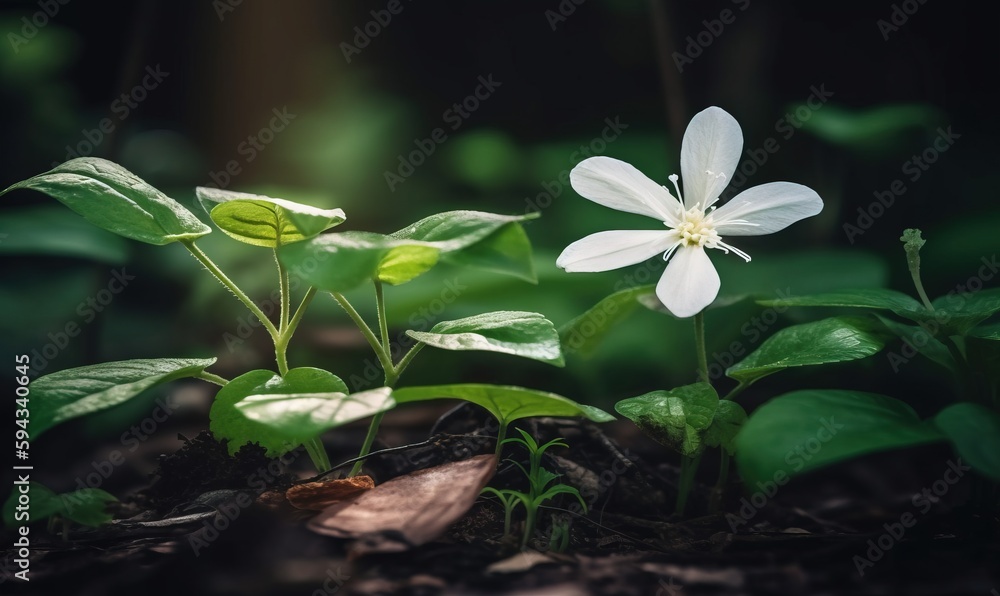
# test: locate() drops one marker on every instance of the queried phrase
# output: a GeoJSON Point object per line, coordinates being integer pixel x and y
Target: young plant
{"type": "Point", "coordinates": [86, 506]}
{"type": "Point", "coordinates": [539, 490]}
{"type": "Point", "coordinates": [287, 407]}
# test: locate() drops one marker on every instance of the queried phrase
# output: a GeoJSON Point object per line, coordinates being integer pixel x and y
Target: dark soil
{"type": "Point", "coordinates": [202, 527]}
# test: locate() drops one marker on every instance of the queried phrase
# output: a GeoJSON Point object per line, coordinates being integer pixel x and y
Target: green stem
{"type": "Point", "coordinates": [285, 293]}
{"type": "Point", "coordinates": [689, 466]}
{"type": "Point", "coordinates": [699, 344]}
{"type": "Point", "coordinates": [214, 270]}
{"type": "Point", "coordinates": [737, 390]}
{"type": "Point", "coordinates": [212, 378]}
{"type": "Point", "coordinates": [299, 312]}
{"type": "Point", "coordinates": [317, 453]}
{"type": "Point", "coordinates": [366, 447]}
{"type": "Point", "coordinates": [720, 485]}
{"type": "Point", "coordinates": [529, 526]}
{"type": "Point", "coordinates": [501, 435]}
{"type": "Point", "coordinates": [915, 274]}
{"type": "Point", "coordinates": [407, 359]}
{"type": "Point", "coordinates": [365, 330]}
{"type": "Point", "coordinates": [383, 325]}
{"type": "Point", "coordinates": [508, 510]}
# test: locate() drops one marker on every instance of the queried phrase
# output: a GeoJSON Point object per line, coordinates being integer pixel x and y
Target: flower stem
{"type": "Point", "coordinates": [912, 243]}
{"type": "Point", "coordinates": [232, 287]}
{"type": "Point", "coordinates": [699, 344]}
{"type": "Point", "coordinates": [737, 390]}
{"type": "Point", "coordinates": [720, 485]}
{"type": "Point", "coordinates": [689, 466]}
{"type": "Point", "coordinates": [212, 378]}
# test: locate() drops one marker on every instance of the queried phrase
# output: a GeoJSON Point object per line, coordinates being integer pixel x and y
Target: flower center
{"type": "Point", "coordinates": [694, 230]}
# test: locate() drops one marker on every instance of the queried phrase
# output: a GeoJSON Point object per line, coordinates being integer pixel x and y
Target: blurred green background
{"type": "Point", "coordinates": [360, 95]}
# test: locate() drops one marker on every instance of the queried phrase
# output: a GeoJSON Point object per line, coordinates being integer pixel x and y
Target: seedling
{"type": "Point", "coordinates": [287, 407]}
{"type": "Point", "coordinates": [539, 490]}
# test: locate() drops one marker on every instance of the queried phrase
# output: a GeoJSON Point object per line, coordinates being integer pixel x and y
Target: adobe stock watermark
{"type": "Point", "coordinates": [87, 310]}
{"type": "Point", "coordinates": [31, 25]}
{"type": "Point", "coordinates": [785, 128]}
{"type": "Point", "coordinates": [227, 513]}
{"type": "Point", "coordinates": [249, 149]}
{"type": "Point", "coordinates": [454, 117]}
{"type": "Point", "coordinates": [796, 459]}
{"type": "Point", "coordinates": [913, 168]}
{"type": "Point", "coordinates": [899, 16]}
{"type": "Point", "coordinates": [955, 300]}
{"type": "Point", "coordinates": [713, 29]}
{"type": "Point", "coordinates": [752, 331]}
{"type": "Point", "coordinates": [421, 319]}
{"type": "Point", "coordinates": [922, 502]}
{"type": "Point", "coordinates": [364, 34]}
{"type": "Point", "coordinates": [552, 189]}
{"type": "Point", "coordinates": [121, 107]}
{"type": "Point", "coordinates": [130, 440]}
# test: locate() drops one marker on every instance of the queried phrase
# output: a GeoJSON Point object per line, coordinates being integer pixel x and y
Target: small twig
{"type": "Point", "coordinates": [387, 451]}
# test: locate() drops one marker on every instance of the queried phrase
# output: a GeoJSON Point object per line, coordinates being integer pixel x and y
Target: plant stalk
{"type": "Point", "coordinates": [699, 344]}
{"type": "Point", "coordinates": [689, 466]}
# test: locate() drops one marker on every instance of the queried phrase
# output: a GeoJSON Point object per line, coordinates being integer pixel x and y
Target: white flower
{"type": "Point", "coordinates": [710, 153]}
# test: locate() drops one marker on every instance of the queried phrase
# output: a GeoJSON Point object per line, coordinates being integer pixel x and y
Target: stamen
{"type": "Point", "coordinates": [673, 178]}
{"type": "Point", "coordinates": [739, 252]}
{"type": "Point", "coordinates": [671, 250]}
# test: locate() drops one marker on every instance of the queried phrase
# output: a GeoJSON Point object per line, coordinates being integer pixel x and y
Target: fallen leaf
{"type": "Point", "coordinates": [317, 496]}
{"type": "Point", "coordinates": [409, 510]}
{"type": "Point", "coordinates": [520, 562]}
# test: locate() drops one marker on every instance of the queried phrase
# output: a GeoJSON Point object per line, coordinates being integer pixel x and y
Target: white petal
{"type": "Point", "coordinates": [690, 282]}
{"type": "Point", "coordinates": [604, 251]}
{"type": "Point", "coordinates": [772, 207]}
{"type": "Point", "coordinates": [616, 184]}
{"type": "Point", "coordinates": [712, 143]}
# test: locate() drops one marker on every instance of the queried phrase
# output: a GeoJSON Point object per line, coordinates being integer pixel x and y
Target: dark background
{"type": "Point", "coordinates": [230, 66]}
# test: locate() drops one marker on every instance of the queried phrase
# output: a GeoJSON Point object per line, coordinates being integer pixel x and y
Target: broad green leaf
{"type": "Point", "coordinates": [836, 339]}
{"type": "Point", "coordinates": [477, 239]}
{"type": "Point", "coordinates": [805, 430]}
{"type": "Point", "coordinates": [53, 230]}
{"type": "Point", "coordinates": [922, 340]}
{"type": "Point", "coordinates": [75, 392]}
{"type": "Point", "coordinates": [991, 332]}
{"type": "Point", "coordinates": [875, 129]}
{"type": "Point", "coordinates": [584, 333]}
{"type": "Point", "coordinates": [87, 506]}
{"type": "Point", "coordinates": [525, 334]}
{"type": "Point", "coordinates": [877, 298]}
{"type": "Point", "coordinates": [111, 197]}
{"type": "Point", "coordinates": [264, 221]}
{"type": "Point", "coordinates": [298, 417]}
{"type": "Point", "coordinates": [506, 403]}
{"type": "Point", "coordinates": [341, 261]}
{"type": "Point", "coordinates": [677, 418]}
{"type": "Point", "coordinates": [229, 423]}
{"type": "Point", "coordinates": [958, 313]}
{"type": "Point", "coordinates": [726, 424]}
{"type": "Point", "coordinates": [974, 430]}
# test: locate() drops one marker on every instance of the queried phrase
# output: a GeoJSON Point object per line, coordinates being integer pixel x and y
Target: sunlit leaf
{"type": "Point", "coordinates": [75, 392]}
{"type": "Point", "coordinates": [265, 221]}
{"type": "Point", "coordinates": [111, 197]}
{"type": "Point", "coordinates": [298, 417]}
{"type": "Point", "coordinates": [677, 418]}
{"type": "Point", "coordinates": [525, 334]}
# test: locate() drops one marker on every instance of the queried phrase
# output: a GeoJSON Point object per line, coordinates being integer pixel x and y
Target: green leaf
{"type": "Point", "coordinates": [264, 221]}
{"type": "Point", "coordinates": [341, 261]}
{"type": "Point", "coordinates": [525, 334]}
{"type": "Point", "coordinates": [111, 197]}
{"type": "Point", "coordinates": [506, 403]}
{"type": "Point", "coordinates": [75, 392]}
{"type": "Point", "coordinates": [87, 506]}
{"type": "Point", "coordinates": [923, 341]}
{"type": "Point", "coordinates": [836, 339]}
{"type": "Point", "coordinates": [298, 417]}
{"type": "Point", "coordinates": [991, 332]}
{"type": "Point", "coordinates": [805, 430]}
{"type": "Point", "coordinates": [677, 418]}
{"type": "Point", "coordinates": [585, 332]}
{"type": "Point", "coordinates": [477, 239]}
{"type": "Point", "coordinates": [726, 424]}
{"type": "Point", "coordinates": [877, 298]}
{"type": "Point", "coordinates": [230, 423]}
{"type": "Point", "coordinates": [974, 430]}
{"type": "Point", "coordinates": [959, 313]}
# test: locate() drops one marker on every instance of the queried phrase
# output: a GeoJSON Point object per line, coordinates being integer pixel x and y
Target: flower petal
{"type": "Point", "coordinates": [616, 184]}
{"type": "Point", "coordinates": [712, 143]}
{"type": "Point", "coordinates": [604, 251]}
{"type": "Point", "coordinates": [690, 282]}
{"type": "Point", "coordinates": [771, 207]}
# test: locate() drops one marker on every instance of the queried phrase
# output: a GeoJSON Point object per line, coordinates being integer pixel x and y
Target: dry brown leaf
{"type": "Point", "coordinates": [317, 496]}
{"type": "Point", "coordinates": [408, 510]}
